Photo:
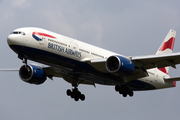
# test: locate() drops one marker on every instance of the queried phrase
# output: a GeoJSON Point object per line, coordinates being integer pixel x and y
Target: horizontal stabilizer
{"type": "Point", "coordinates": [172, 79]}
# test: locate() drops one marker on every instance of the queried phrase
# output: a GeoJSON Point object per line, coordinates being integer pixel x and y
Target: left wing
{"type": "Point", "coordinates": [159, 61]}
{"type": "Point", "coordinates": [142, 63]}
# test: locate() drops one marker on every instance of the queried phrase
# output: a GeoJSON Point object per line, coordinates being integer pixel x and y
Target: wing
{"type": "Point", "coordinates": [9, 69]}
{"type": "Point", "coordinates": [159, 61]}
{"type": "Point", "coordinates": [64, 73]}
{"type": "Point", "coordinates": [55, 72]}
{"type": "Point", "coordinates": [142, 63]}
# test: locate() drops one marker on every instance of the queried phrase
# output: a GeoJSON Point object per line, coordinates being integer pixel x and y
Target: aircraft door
{"type": "Point", "coordinates": [41, 42]}
{"type": "Point", "coordinates": [72, 48]}
{"type": "Point", "coordinates": [72, 45]}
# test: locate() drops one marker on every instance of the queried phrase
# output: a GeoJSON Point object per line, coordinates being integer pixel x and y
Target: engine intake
{"type": "Point", "coordinates": [119, 64]}
{"type": "Point", "coordinates": [32, 74]}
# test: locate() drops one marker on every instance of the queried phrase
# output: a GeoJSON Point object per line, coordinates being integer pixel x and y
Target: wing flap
{"type": "Point", "coordinates": [98, 64]}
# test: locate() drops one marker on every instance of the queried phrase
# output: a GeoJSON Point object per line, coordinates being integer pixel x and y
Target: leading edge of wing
{"type": "Point", "coordinates": [152, 61]}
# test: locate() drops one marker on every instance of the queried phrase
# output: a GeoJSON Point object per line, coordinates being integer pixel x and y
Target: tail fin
{"type": "Point", "coordinates": [167, 47]}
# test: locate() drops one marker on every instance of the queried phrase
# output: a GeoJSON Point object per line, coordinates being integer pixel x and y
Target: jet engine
{"type": "Point", "coordinates": [119, 65]}
{"type": "Point", "coordinates": [32, 74]}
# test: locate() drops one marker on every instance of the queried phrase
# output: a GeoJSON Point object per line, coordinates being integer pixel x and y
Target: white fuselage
{"type": "Point", "coordinates": [75, 50]}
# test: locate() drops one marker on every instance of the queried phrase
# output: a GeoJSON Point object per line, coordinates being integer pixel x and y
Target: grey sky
{"type": "Point", "coordinates": [127, 27]}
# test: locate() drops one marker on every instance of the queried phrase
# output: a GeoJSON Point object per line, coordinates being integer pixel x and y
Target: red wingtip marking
{"type": "Point", "coordinates": [169, 44]}
{"type": "Point", "coordinates": [163, 70]}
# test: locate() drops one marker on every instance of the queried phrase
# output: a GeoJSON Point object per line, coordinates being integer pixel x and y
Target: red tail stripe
{"type": "Point", "coordinates": [163, 70]}
{"type": "Point", "coordinates": [174, 83]}
{"type": "Point", "coordinates": [169, 44]}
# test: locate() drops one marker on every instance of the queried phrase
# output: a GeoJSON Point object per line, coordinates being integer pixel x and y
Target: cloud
{"type": "Point", "coordinates": [93, 30]}
{"type": "Point", "coordinates": [126, 27]}
{"type": "Point", "coordinates": [23, 4]}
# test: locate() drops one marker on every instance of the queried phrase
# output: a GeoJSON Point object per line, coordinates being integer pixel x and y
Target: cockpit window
{"type": "Point", "coordinates": [15, 32]}
{"type": "Point", "coordinates": [23, 33]}
{"type": "Point", "coordinates": [18, 32]}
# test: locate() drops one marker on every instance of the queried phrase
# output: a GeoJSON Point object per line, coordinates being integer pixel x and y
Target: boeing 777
{"type": "Point", "coordinates": [81, 63]}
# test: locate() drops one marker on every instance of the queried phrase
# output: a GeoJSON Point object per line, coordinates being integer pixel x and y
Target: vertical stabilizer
{"type": "Point", "coordinates": [167, 47]}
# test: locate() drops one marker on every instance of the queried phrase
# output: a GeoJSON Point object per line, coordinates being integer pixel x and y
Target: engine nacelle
{"type": "Point", "coordinates": [32, 74]}
{"type": "Point", "coordinates": [119, 64]}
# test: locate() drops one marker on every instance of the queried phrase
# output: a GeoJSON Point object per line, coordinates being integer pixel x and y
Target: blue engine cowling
{"type": "Point", "coordinates": [119, 65]}
{"type": "Point", "coordinates": [32, 74]}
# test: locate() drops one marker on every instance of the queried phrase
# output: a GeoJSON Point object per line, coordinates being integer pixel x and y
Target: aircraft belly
{"type": "Point", "coordinates": [138, 85]}
{"type": "Point", "coordinates": [81, 69]}
{"type": "Point", "coordinates": [98, 79]}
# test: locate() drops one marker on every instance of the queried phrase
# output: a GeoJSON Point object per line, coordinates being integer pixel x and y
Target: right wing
{"type": "Point", "coordinates": [9, 69]}
{"type": "Point", "coordinates": [63, 73]}
{"type": "Point", "coordinates": [54, 72]}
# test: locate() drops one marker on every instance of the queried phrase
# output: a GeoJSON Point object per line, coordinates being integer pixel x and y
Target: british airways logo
{"type": "Point", "coordinates": [168, 44]}
{"type": "Point", "coordinates": [37, 34]}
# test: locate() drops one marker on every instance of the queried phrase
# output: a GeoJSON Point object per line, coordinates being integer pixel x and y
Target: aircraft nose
{"type": "Point", "coordinates": [11, 40]}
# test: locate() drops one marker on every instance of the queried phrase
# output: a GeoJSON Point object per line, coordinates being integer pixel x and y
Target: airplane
{"type": "Point", "coordinates": [80, 63]}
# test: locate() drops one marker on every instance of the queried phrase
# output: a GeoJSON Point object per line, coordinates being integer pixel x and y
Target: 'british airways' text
{"type": "Point", "coordinates": [64, 50]}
